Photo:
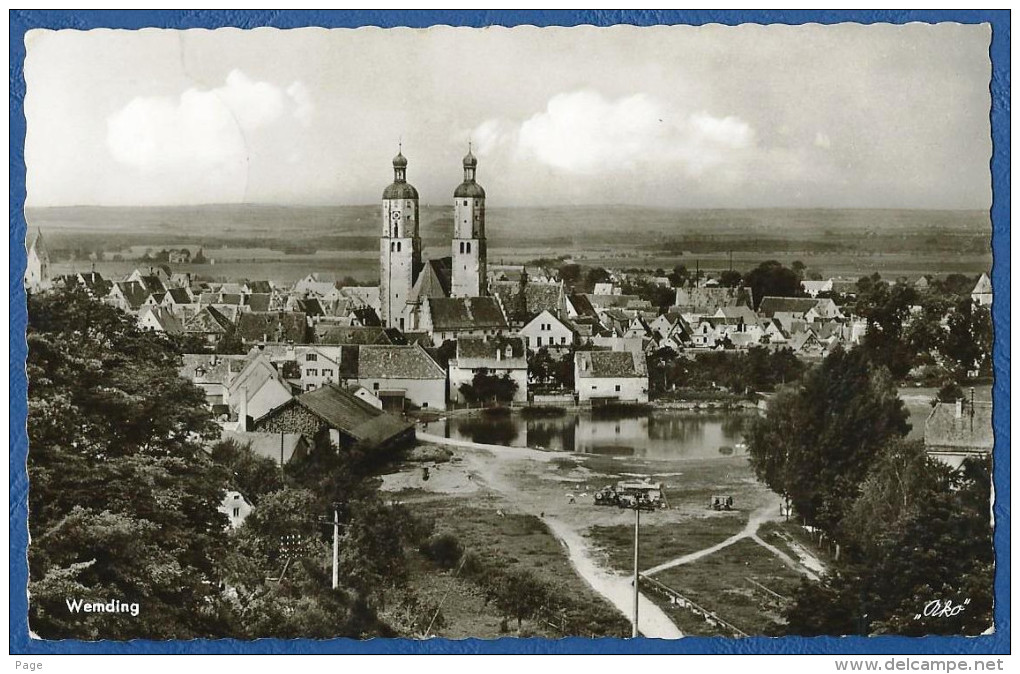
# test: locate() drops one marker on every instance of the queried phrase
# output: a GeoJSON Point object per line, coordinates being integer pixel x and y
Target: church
{"type": "Point", "coordinates": [411, 289]}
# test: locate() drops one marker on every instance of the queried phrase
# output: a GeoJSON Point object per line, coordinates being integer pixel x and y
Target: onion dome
{"type": "Point", "coordinates": [400, 188]}
{"type": "Point", "coordinates": [470, 161]}
{"type": "Point", "coordinates": [400, 161]}
{"type": "Point", "coordinates": [469, 190]}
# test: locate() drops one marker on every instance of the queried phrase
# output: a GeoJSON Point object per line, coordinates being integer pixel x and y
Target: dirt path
{"type": "Point", "coordinates": [763, 514]}
{"type": "Point", "coordinates": [492, 463]}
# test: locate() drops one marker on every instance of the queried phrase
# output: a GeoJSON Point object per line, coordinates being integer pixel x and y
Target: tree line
{"type": "Point", "coordinates": [911, 530]}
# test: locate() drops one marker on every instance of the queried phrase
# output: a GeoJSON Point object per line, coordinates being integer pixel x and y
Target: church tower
{"type": "Point", "coordinates": [469, 256]}
{"type": "Point", "coordinates": [399, 248]}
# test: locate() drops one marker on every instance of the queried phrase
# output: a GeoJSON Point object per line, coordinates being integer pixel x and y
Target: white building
{"type": "Point", "coordinates": [498, 356]}
{"type": "Point", "coordinates": [982, 293]}
{"type": "Point", "coordinates": [546, 330]}
{"type": "Point", "coordinates": [610, 376]}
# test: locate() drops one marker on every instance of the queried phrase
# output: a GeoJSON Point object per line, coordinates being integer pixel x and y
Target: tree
{"type": "Point", "coordinates": [518, 595]}
{"type": "Point", "coordinates": [731, 278]}
{"type": "Point", "coordinates": [252, 475]}
{"type": "Point", "coordinates": [816, 442]}
{"type": "Point", "coordinates": [123, 501]}
{"type": "Point", "coordinates": [918, 531]}
{"type": "Point", "coordinates": [887, 309]}
{"type": "Point", "coordinates": [485, 387]}
{"type": "Point", "coordinates": [199, 257]}
{"type": "Point", "coordinates": [968, 341]}
{"type": "Point", "coordinates": [680, 276]}
{"type": "Point", "coordinates": [772, 279]}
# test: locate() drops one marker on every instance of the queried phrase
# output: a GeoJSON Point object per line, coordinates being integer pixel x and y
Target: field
{"type": "Point", "coordinates": [287, 242]}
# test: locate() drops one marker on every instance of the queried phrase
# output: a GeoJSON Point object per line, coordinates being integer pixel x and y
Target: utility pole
{"type": "Point", "coordinates": [637, 529]}
{"type": "Point", "coordinates": [336, 547]}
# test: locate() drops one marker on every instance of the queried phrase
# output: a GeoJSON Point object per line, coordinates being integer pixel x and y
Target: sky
{"type": "Point", "coordinates": [841, 116]}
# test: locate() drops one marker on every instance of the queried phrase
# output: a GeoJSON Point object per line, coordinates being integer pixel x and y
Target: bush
{"type": "Point", "coordinates": [444, 549]}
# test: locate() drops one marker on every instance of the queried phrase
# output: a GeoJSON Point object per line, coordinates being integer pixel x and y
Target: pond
{"type": "Point", "coordinates": [660, 434]}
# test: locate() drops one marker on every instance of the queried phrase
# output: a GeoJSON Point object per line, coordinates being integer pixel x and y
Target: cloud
{"type": "Point", "coordinates": [202, 130]}
{"type": "Point", "coordinates": [582, 132]}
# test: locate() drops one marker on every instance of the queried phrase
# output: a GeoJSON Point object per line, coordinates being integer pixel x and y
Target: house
{"type": "Point", "coordinates": [579, 306]}
{"type": "Point", "coordinates": [235, 507]}
{"type": "Point", "coordinates": [176, 298]}
{"type": "Point", "coordinates": [129, 296]}
{"type": "Point", "coordinates": [213, 373]}
{"type": "Point", "coordinates": [309, 366]}
{"type": "Point", "coordinates": [606, 289]}
{"type": "Point", "coordinates": [332, 416]}
{"type": "Point", "coordinates": [800, 308]}
{"type": "Point", "coordinates": [812, 288]}
{"type": "Point", "coordinates": [279, 447]}
{"type": "Point", "coordinates": [982, 293]}
{"type": "Point", "coordinates": [330, 333]}
{"type": "Point", "coordinates": [524, 300]}
{"type": "Point", "coordinates": [546, 330]}
{"type": "Point", "coordinates": [159, 319]}
{"type": "Point", "coordinates": [363, 393]}
{"type": "Point", "coordinates": [208, 324]}
{"type": "Point", "coordinates": [312, 286]}
{"type": "Point", "coordinates": [447, 318]}
{"type": "Point", "coordinates": [273, 326]}
{"type": "Point", "coordinates": [610, 376]}
{"type": "Point", "coordinates": [179, 256]}
{"type": "Point", "coordinates": [37, 269]}
{"type": "Point", "coordinates": [258, 388]}
{"type": "Point", "coordinates": [706, 301]}
{"type": "Point", "coordinates": [400, 376]}
{"type": "Point", "coordinates": [956, 431]}
{"type": "Point", "coordinates": [497, 356]}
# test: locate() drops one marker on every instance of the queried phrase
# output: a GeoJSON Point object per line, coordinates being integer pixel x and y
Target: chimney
{"type": "Point", "coordinates": [242, 413]}
{"type": "Point", "coordinates": [958, 411]}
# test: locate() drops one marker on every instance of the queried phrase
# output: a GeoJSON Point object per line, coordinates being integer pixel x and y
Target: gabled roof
{"type": "Point", "coordinates": [208, 320]}
{"type": "Point", "coordinates": [258, 301]}
{"type": "Point", "coordinates": [167, 321]}
{"type": "Point", "coordinates": [476, 352]}
{"type": "Point", "coordinates": [708, 300]}
{"type": "Point", "coordinates": [602, 364]}
{"type": "Point", "coordinates": [983, 287]}
{"type": "Point", "coordinates": [397, 362]}
{"type": "Point", "coordinates": [434, 279]}
{"type": "Point", "coordinates": [770, 306]}
{"type": "Point", "coordinates": [351, 334]}
{"type": "Point", "coordinates": [133, 292]}
{"type": "Point", "coordinates": [547, 316]}
{"type": "Point", "coordinates": [260, 287]}
{"type": "Point", "coordinates": [538, 297]}
{"type": "Point", "coordinates": [203, 368]}
{"type": "Point", "coordinates": [179, 295]}
{"type": "Point", "coordinates": [346, 412]}
{"type": "Point", "coordinates": [582, 306]}
{"type": "Point", "coordinates": [944, 430]}
{"type": "Point", "coordinates": [279, 447]}
{"type": "Point", "coordinates": [273, 326]}
{"type": "Point", "coordinates": [309, 306]}
{"type": "Point", "coordinates": [459, 313]}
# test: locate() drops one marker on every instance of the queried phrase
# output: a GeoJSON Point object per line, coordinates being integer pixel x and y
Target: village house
{"type": "Point", "coordinates": [331, 416]}
{"type": "Point", "coordinates": [546, 330]}
{"type": "Point", "coordinates": [523, 301]}
{"type": "Point", "coordinates": [213, 373]}
{"type": "Point", "coordinates": [497, 356]}
{"type": "Point", "coordinates": [258, 388]}
{"type": "Point", "coordinates": [799, 308]}
{"type": "Point", "coordinates": [307, 366]}
{"type": "Point", "coordinates": [400, 376]}
{"type": "Point", "coordinates": [958, 430]}
{"type": "Point", "coordinates": [159, 319]}
{"type": "Point", "coordinates": [610, 376]}
{"type": "Point", "coordinates": [236, 507]}
{"type": "Point", "coordinates": [704, 301]}
{"type": "Point", "coordinates": [208, 324]}
{"type": "Point", "coordinates": [281, 448]}
{"type": "Point", "coordinates": [447, 318]}
{"type": "Point", "coordinates": [982, 293]}
{"type": "Point", "coordinates": [129, 296]}
{"type": "Point", "coordinates": [273, 326]}
{"type": "Point", "coordinates": [37, 269]}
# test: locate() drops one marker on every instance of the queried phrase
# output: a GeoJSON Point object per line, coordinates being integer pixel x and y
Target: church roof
{"type": "Point", "coordinates": [455, 313]}
{"type": "Point", "coordinates": [434, 279]}
{"type": "Point", "coordinates": [400, 190]}
{"type": "Point", "coordinates": [469, 189]}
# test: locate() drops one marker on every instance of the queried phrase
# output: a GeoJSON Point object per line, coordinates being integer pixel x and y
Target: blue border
{"type": "Point", "coordinates": [23, 21]}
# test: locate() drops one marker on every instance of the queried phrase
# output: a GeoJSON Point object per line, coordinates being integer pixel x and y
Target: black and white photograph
{"type": "Point", "coordinates": [644, 332]}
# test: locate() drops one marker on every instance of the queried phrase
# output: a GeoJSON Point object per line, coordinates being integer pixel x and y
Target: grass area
{"type": "Point", "coordinates": [719, 583]}
{"type": "Point", "coordinates": [661, 543]}
{"type": "Point", "coordinates": [514, 541]}
{"type": "Point", "coordinates": [780, 534]}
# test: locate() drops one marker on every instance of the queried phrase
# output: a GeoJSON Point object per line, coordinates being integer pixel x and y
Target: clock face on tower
{"type": "Point", "coordinates": [395, 216]}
